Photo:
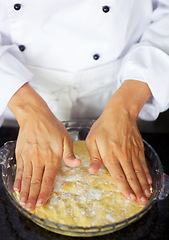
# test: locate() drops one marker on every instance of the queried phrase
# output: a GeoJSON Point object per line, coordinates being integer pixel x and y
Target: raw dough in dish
{"type": "Point", "coordinates": [83, 199]}
{"type": "Point", "coordinates": [80, 198]}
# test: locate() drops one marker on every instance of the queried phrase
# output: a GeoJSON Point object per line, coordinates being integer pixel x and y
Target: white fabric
{"type": "Point", "coordinates": [63, 36]}
{"type": "Point", "coordinates": [152, 69]}
{"type": "Point", "coordinates": [75, 95]}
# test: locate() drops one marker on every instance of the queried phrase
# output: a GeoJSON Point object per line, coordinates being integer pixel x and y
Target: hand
{"type": "Point", "coordinates": [42, 142]}
{"type": "Point", "coordinates": [114, 139]}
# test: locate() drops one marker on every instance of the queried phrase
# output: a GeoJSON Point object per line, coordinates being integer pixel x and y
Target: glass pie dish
{"type": "Point", "coordinates": [78, 130]}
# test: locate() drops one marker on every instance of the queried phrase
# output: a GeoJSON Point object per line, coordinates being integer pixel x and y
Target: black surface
{"type": "Point", "coordinates": [154, 225]}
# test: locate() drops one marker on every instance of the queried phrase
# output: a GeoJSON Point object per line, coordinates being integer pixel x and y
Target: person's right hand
{"type": "Point", "coordinates": [42, 142]}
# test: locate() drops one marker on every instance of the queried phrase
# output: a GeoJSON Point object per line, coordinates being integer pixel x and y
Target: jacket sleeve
{"type": "Point", "coordinates": [148, 61]}
{"type": "Point", "coordinates": [13, 74]}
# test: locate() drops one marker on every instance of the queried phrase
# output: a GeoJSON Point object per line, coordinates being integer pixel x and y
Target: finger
{"type": "Point", "coordinates": [143, 183]}
{"type": "Point", "coordinates": [19, 169]}
{"type": "Point", "coordinates": [127, 165]}
{"type": "Point", "coordinates": [141, 175]}
{"type": "Point", "coordinates": [47, 185]}
{"type": "Point", "coordinates": [68, 155]}
{"type": "Point", "coordinates": [119, 177]}
{"type": "Point", "coordinates": [18, 177]}
{"type": "Point", "coordinates": [95, 158]}
{"type": "Point", "coordinates": [25, 184]}
{"type": "Point", "coordinates": [35, 187]}
{"type": "Point", "coordinates": [145, 167]}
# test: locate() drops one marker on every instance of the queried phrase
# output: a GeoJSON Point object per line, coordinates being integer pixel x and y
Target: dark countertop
{"type": "Point", "coordinates": [154, 225]}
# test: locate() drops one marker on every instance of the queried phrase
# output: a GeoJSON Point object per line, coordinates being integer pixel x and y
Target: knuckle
{"type": "Point", "coordinates": [35, 182]}
{"type": "Point", "coordinates": [48, 180]}
{"type": "Point", "coordinates": [130, 177]}
{"type": "Point", "coordinates": [26, 177]}
{"type": "Point", "coordinates": [68, 155]}
{"type": "Point", "coordinates": [119, 177]}
{"type": "Point", "coordinates": [95, 159]}
{"type": "Point", "coordinates": [19, 170]}
{"type": "Point", "coordinates": [138, 171]}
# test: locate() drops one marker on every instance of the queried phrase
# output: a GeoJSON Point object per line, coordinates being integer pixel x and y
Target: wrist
{"type": "Point", "coordinates": [25, 102]}
{"type": "Point", "coordinates": [130, 97]}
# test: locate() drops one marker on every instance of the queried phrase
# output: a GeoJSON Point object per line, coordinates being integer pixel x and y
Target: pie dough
{"type": "Point", "coordinates": [82, 199]}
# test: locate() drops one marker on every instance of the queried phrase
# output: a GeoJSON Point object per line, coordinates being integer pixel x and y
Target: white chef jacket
{"type": "Point", "coordinates": [78, 36]}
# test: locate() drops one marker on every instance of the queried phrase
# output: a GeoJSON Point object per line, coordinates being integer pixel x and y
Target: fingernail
{"type": "Point", "coordinates": [149, 181]}
{"type": "Point", "coordinates": [28, 206]}
{"type": "Point", "coordinates": [132, 196]}
{"type": "Point", "coordinates": [23, 201]}
{"type": "Point", "coordinates": [16, 187]}
{"type": "Point", "coordinates": [143, 200]}
{"type": "Point", "coordinates": [91, 169]}
{"type": "Point", "coordinates": [93, 165]}
{"type": "Point", "coordinates": [39, 202]}
{"type": "Point", "coordinates": [147, 193]}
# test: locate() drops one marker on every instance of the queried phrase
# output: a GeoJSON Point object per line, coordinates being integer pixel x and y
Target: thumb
{"type": "Point", "coordinates": [69, 157]}
{"type": "Point", "coordinates": [95, 158]}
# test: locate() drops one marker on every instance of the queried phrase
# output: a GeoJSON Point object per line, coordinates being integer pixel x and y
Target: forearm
{"type": "Point", "coordinates": [131, 96]}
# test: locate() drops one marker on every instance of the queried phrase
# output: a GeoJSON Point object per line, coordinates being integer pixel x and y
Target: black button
{"type": "Point", "coordinates": [96, 56]}
{"type": "Point", "coordinates": [106, 9]}
{"type": "Point", "coordinates": [22, 48]}
{"type": "Point", "coordinates": [17, 6]}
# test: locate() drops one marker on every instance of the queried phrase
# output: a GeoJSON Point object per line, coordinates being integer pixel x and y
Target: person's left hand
{"type": "Point", "coordinates": [115, 140]}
